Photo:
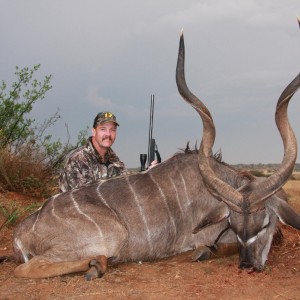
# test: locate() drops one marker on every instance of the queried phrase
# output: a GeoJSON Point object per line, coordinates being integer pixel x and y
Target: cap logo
{"type": "Point", "coordinates": [108, 115]}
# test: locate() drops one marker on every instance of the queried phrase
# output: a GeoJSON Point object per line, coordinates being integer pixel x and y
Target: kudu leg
{"type": "Point", "coordinates": [41, 267]}
{"type": "Point", "coordinates": [98, 267]}
{"type": "Point", "coordinates": [215, 251]}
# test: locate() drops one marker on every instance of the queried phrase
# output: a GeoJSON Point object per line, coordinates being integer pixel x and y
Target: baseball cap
{"type": "Point", "coordinates": [103, 117]}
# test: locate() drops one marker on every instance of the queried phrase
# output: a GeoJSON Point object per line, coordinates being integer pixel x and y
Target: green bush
{"type": "Point", "coordinates": [29, 159]}
{"type": "Point", "coordinates": [258, 173]}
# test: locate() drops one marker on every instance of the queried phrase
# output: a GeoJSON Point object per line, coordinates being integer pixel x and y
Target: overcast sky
{"type": "Point", "coordinates": [112, 55]}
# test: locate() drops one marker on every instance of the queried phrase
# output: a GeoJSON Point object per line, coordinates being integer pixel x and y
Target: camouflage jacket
{"type": "Point", "coordinates": [84, 165]}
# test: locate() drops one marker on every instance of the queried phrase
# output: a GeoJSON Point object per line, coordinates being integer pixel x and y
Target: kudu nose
{"type": "Point", "coordinates": [250, 267]}
{"type": "Point", "coordinates": [245, 265]}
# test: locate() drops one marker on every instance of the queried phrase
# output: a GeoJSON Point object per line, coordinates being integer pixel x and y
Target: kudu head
{"type": "Point", "coordinates": [254, 208]}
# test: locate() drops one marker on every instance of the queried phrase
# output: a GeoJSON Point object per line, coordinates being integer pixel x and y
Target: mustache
{"type": "Point", "coordinates": [106, 138]}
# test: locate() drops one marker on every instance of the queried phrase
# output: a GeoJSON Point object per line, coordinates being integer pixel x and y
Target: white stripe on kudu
{"type": "Point", "coordinates": [164, 201]}
{"type": "Point", "coordinates": [85, 215]}
{"type": "Point", "coordinates": [141, 212]}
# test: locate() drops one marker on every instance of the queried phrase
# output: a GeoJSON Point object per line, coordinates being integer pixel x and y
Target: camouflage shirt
{"type": "Point", "coordinates": [84, 165]}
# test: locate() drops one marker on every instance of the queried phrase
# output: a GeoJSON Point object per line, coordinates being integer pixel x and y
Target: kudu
{"type": "Point", "coordinates": [192, 201]}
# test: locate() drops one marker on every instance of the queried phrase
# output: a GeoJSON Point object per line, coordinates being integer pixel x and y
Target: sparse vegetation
{"type": "Point", "coordinates": [13, 212]}
{"type": "Point", "coordinates": [258, 173]}
{"type": "Point", "coordinates": [10, 216]}
{"type": "Point", "coordinates": [267, 168]}
{"type": "Point", "coordinates": [29, 159]}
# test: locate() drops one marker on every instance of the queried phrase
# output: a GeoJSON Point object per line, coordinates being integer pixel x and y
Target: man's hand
{"type": "Point", "coordinates": [153, 164]}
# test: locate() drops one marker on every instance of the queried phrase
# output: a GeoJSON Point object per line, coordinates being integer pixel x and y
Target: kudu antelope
{"type": "Point", "coordinates": [192, 201]}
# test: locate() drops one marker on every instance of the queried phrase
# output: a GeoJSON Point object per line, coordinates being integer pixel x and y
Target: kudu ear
{"type": "Point", "coordinates": [217, 215]}
{"type": "Point", "coordinates": [286, 214]}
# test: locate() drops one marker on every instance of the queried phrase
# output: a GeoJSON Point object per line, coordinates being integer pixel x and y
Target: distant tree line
{"type": "Point", "coordinates": [268, 167]}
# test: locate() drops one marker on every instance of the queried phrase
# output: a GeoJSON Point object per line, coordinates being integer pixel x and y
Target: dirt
{"type": "Point", "coordinates": [173, 278]}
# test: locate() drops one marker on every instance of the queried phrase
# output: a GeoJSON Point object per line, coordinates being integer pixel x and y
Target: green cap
{"type": "Point", "coordinates": [104, 117]}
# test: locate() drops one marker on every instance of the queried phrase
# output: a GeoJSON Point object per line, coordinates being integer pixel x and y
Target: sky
{"type": "Point", "coordinates": [108, 55]}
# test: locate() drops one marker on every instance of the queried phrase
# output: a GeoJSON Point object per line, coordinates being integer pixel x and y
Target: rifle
{"type": "Point", "coordinates": [152, 146]}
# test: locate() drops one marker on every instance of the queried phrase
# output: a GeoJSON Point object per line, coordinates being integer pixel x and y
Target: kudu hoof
{"type": "Point", "coordinates": [95, 271]}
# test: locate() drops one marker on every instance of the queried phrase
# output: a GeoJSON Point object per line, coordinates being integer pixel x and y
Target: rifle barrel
{"type": "Point", "coordinates": [150, 128]}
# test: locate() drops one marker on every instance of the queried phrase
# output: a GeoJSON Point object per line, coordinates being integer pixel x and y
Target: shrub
{"type": "Point", "coordinates": [29, 159]}
{"type": "Point", "coordinates": [257, 173]}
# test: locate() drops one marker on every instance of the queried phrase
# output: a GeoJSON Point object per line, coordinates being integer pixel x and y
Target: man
{"type": "Point", "coordinates": [96, 159]}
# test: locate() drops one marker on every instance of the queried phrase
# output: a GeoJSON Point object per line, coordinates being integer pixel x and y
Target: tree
{"type": "Point", "coordinates": [28, 156]}
{"type": "Point", "coordinates": [15, 106]}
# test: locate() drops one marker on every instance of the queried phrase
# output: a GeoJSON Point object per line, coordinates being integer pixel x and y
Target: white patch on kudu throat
{"type": "Point", "coordinates": [21, 248]}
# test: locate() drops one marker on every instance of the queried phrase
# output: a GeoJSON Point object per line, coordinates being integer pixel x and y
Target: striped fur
{"type": "Point", "coordinates": [138, 217]}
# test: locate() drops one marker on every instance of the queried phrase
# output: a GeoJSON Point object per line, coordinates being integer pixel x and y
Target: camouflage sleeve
{"type": "Point", "coordinates": [71, 176]}
{"type": "Point", "coordinates": [83, 167]}
{"type": "Point", "coordinates": [116, 166]}
{"type": "Point", "coordinates": [116, 169]}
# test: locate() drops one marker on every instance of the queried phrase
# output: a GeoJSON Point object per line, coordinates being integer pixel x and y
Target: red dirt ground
{"type": "Point", "coordinates": [173, 278]}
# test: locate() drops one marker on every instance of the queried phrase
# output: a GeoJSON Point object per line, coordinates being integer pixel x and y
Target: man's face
{"type": "Point", "coordinates": [104, 135]}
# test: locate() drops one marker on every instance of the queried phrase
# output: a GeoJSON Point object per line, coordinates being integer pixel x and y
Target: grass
{"type": "Point", "coordinates": [13, 212]}
{"type": "Point", "coordinates": [292, 188]}
{"type": "Point", "coordinates": [10, 215]}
